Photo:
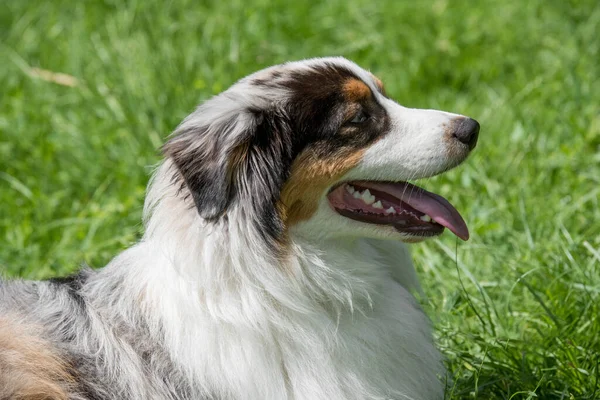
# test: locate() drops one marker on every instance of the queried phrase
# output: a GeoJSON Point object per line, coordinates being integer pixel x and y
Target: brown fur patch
{"type": "Point", "coordinates": [311, 176]}
{"type": "Point", "coordinates": [30, 368]}
{"type": "Point", "coordinates": [355, 89]}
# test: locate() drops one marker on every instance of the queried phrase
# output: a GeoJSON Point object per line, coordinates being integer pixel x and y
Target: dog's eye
{"type": "Point", "coordinates": [359, 118]}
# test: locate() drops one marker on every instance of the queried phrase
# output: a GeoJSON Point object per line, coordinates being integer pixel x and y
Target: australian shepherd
{"type": "Point", "coordinates": [273, 263]}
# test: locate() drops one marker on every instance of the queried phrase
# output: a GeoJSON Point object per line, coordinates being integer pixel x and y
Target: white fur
{"type": "Point", "coordinates": [415, 148]}
{"type": "Point", "coordinates": [331, 323]}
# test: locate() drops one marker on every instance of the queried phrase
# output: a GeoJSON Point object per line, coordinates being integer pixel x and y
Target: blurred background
{"type": "Point", "coordinates": [90, 89]}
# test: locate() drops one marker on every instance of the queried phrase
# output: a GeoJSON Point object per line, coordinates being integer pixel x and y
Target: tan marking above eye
{"type": "Point", "coordinates": [355, 89]}
{"type": "Point", "coordinates": [311, 176]}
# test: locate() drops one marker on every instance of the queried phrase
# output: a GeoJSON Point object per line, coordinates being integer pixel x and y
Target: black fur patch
{"type": "Point", "coordinates": [73, 285]}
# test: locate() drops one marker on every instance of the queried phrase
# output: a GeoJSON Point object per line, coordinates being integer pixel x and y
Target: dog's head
{"type": "Point", "coordinates": [316, 148]}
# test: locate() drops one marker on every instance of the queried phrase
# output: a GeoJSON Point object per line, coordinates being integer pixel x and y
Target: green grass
{"type": "Point", "coordinates": [516, 309]}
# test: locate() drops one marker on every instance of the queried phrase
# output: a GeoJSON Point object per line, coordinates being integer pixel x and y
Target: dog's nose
{"type": "Point", "coordinates": [467, 131]}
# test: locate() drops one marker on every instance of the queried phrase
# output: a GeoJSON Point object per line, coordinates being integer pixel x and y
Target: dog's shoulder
{"type": "Point", "coordinates": [71, 285]}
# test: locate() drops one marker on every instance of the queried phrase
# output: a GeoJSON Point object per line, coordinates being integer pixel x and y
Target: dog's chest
{"type": "Point", "coordinates": [383, 353]}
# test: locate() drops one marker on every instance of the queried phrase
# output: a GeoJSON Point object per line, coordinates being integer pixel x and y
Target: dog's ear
{"type": "Point", "coordinates": [224, 152]}
{"type": "Point", "coordinates": [204, 152]}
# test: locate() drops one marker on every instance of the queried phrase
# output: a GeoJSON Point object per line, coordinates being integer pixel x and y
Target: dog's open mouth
{"type": "Point", "coordinates": [408, 208]}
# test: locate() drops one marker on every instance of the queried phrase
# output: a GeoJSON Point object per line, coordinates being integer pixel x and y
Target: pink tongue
{"type": "Point", "coordinates": [437, 207]}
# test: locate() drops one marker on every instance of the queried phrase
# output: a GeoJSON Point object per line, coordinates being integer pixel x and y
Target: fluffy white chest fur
{"type": "Point", "coordinates": [368, 342]}
{"type": "Point", "coordinates": [338, 322]}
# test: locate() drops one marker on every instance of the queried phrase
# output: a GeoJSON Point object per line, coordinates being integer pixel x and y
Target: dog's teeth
{"type": "Point", "coordinates": [350, 189]}
{"type": "Point", "coordinates": [425, 218]}
{"type": "Point", "coordinates": [377, 204]}
{"type": "Point", "coordinates": [356, 194]}
{"type": "Point", "coordinates": [390, 210]}
{"type": "Point", "coordinates": [367, 197]}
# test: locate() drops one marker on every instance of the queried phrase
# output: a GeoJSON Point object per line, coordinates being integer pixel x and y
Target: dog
{"type": "Point", "coordinates": [273, 263]}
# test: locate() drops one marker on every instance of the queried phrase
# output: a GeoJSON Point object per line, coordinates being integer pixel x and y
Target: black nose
{"type": "Point", "coordinates": [466, 131]}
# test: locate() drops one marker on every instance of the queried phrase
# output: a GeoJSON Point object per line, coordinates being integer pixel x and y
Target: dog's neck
{"type": "Point", "coordinates": [196, 283]}
{"type": "Point", "coordinates": [225, 260]}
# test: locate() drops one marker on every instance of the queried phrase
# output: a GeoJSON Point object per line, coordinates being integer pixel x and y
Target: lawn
{"type": "Point", "coordinates": [516, 308]}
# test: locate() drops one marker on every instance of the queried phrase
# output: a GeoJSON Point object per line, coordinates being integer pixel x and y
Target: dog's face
{"type": "Point", "coordinates": [315, 148]}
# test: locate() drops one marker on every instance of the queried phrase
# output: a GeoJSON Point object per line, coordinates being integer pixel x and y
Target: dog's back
{"type": "Point", "coordinates": [30, 367]}
{"type": "Point", "coordinates": [57, 343]}
{"type": "Point", "coordinates": [37, 360]}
